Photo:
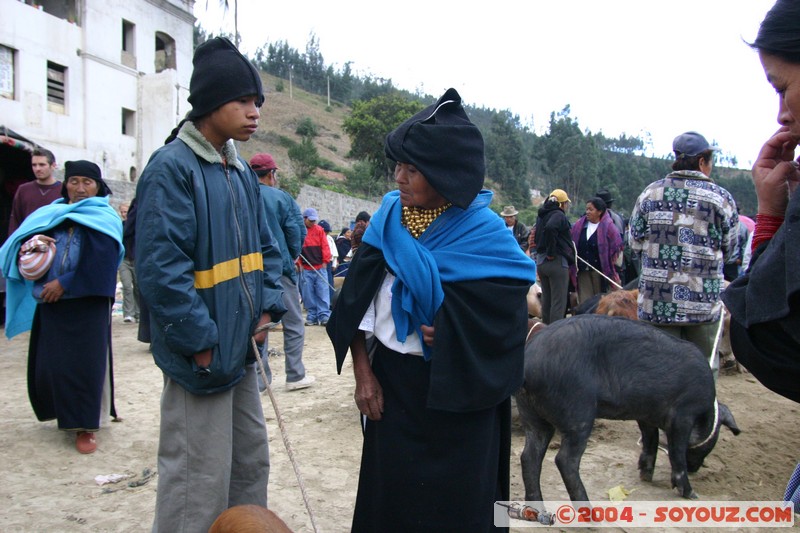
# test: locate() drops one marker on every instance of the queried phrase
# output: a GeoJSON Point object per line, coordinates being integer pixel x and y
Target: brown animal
{"type": "Point", "coordinates": [619, 303]}
{"type": "Point", "coordinates": [248, 519]}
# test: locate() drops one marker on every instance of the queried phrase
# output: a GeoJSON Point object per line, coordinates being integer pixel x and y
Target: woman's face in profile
{"type": "Point", "coordinates": [785, 78]}
{"type": "Point", "coordinates": [415, 191]}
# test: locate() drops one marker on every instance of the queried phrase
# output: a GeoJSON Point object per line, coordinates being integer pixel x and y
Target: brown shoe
{"type": "Point", "coordinates": [86, 442]}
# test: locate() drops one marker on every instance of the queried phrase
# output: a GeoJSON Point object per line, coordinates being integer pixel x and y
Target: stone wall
{"type": "Point", "coordinates": [338, 209]}
{"type": "Point", "coordinates": [122, 192]}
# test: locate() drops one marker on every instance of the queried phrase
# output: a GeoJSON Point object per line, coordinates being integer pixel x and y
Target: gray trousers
{"type": "Point", "coordinates": [212, 454]}
{"type": "Point", "coordinates": [130, 301]}
{"type": "Point", "coordinates": [702, 336]}
{"type": "Point", "coordinates": [294, 331]}
{"type": "Point", "coordinates": [554, 279]}
{"type": "Point", "coordinates": [589, 284]}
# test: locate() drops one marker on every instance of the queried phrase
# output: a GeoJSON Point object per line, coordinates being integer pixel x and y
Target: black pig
{"type": "Point", "coordinates": [595, 366]}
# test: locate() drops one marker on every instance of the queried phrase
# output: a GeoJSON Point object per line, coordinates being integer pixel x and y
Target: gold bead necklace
{"type": "Point", "coordinates": [416, 219]}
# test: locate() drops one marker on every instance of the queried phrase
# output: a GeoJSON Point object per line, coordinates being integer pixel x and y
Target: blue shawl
{"type": "Point", "coordinates": [94, 213]}
{"type": "Point", "coordinates": [460, 245]}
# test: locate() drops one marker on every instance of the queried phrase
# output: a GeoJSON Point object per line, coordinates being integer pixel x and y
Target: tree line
{"type": "Point", "coordinates": [518, 160]}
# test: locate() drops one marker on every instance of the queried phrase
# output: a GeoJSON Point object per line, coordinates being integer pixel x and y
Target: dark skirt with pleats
{"type": "Point", "coordinates": [429, 470]}
{"type": "Point", "coordinates": [67, 359]}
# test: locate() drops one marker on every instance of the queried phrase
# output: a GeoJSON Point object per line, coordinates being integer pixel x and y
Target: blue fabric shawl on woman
{"type": "Point", "coordinates": [450, 250]}
{"type": "Point", "coordinates": [95, 213]}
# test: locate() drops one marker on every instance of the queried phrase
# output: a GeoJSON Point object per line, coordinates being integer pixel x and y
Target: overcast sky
{"type": "Point", "coordinates": [657, 67]}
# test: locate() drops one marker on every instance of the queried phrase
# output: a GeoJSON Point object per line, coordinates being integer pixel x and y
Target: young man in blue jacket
{"type": "Point", "coordinates": [210, 271]}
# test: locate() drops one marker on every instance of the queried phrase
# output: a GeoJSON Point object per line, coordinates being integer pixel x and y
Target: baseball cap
{"type": "Point", "coordinates": [263, 162]}
{"type": "Point", "coordinates": [561, 195]}
{"type": "Point", "coordinates": [311, 214]}
{"type": "Point", "coordinates": [691, 144]}
{"type": "Point", "coordinates": [324, 225]}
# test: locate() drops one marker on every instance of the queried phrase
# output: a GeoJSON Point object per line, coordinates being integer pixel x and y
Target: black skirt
{"type": "Point", "coordinates": [67, 360]}
{"type": "Point", "coordinates": [429, 470]}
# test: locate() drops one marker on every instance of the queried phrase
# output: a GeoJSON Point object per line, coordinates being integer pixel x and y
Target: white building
{"type": "Point", "coordinates": [103, 80]}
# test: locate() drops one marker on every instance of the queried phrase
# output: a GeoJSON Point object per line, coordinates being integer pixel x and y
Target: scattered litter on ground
{"type": "Point", "coordinates": [103, 479]}
{"type": "Point", "coordinates": [618, 493]}
{"type": "Point", "coordinates": [143, 479]}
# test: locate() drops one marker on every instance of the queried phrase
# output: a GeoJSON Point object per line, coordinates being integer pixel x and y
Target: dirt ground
{"type": "Point", "coordinates": [48, 486]}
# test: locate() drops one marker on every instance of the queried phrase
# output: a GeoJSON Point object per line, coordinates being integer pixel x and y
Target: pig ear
{"type": "Point", "coordinates": [726, 419]}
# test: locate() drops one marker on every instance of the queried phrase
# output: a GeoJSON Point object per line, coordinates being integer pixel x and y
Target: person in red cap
{"type": "Point", "coordinates": [286, 224]}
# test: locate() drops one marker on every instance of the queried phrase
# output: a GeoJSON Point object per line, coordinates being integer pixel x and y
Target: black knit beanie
{"type": "Point", "coordinates": [445, 146]}
{"type": "Point", "coordinates": [86, 169]}
{"type": "Point", "coordinates": [221, 74]}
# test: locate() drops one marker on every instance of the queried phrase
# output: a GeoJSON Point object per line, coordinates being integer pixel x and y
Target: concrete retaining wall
{"type": "Point", "coordinates": [338, 209]}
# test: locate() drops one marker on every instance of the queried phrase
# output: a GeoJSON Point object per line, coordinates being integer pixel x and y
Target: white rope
{"type": "Point", "coordinates": [286, 443]}
{"type": "Point", "coordinates": [713, 428]}
{"type": "Point", "coordinates": [614, 283]}
{"type": "Point", "coordinates": [717, 338]}
{"type": "Point", "coordinates": [319, 273]}
{"type": "Point", "coordinates": [530, 332]}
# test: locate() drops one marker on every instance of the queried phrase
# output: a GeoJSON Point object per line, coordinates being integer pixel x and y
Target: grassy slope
{"type": "Point", "coordinates": [280, 116]}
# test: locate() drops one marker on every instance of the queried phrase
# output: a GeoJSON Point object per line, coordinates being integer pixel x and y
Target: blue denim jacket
{"type": "Point", "coordinates": [68, 251]}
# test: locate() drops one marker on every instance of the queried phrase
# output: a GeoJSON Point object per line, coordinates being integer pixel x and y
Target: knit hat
{"type": "Point", "coordinates": [325, 226]}
{"type": "Point", "coordinates": [221, 74]}
{"type": "Point", "coordinates": [446, 148]}
{"type": "Point", "coordinates": [86, 169]}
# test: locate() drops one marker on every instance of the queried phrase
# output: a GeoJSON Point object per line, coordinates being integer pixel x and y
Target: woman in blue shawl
{"type": "Point", "coordinates": [434, 313]}
{"type": "Point", "coordinates": [68, 309]}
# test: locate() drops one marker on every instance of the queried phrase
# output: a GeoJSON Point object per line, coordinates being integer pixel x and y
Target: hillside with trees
{"type": "Point", "coordinates": [331, 124]}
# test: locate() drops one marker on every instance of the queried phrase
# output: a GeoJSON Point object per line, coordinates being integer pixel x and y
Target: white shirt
{"type": "Point", "coordinates": [378, 322]}
{"type": "Point", "coordinates": [591, 227]}
{"type": "Point", "coordinates": [334, 252]}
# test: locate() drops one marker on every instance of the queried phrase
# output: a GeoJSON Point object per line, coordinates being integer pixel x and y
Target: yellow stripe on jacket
{"type": "Point", "coordinates": [227, 270]}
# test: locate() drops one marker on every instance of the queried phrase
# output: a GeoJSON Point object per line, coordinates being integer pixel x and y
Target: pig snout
{"type": "Point", "coordinates": [535, 301]}
{"type": "Point", "coordinates": [700, 445]}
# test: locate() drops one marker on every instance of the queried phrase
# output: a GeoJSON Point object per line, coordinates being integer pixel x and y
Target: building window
{"type": "Point", "coordinates": [56, 87]}
{"type": "Point", "coordinates": [165, 52]}
{"type": "Point", "coordinates": [63, 9]}
{"type": "Point", "coordinates": [128, 44]}
{"type": "Point", "coordinates": [7, 58]}
{"type": "Point", "coordinates": [128, 122]}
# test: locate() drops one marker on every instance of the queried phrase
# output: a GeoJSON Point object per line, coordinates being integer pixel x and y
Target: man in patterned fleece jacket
{"type": "Point", "coordinates": [683, 227]}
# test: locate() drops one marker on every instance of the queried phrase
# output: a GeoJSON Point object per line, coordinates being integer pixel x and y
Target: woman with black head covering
{"type": "Point", "coordinates": [69, 358]}
{"type": "Point", "coordinates": [765, 301]}
{"type": "Point", "coordinates": [434, 313]}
